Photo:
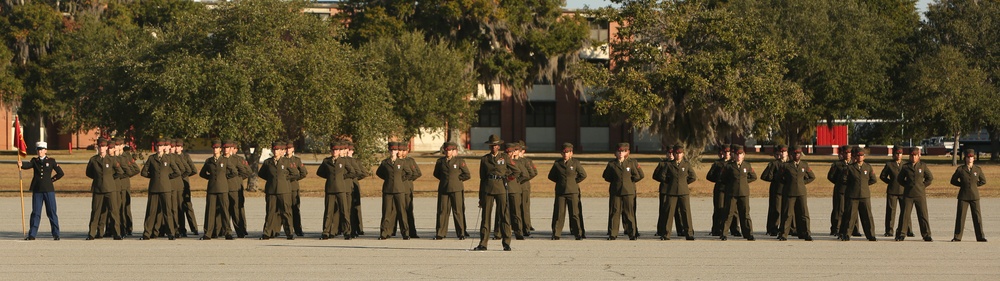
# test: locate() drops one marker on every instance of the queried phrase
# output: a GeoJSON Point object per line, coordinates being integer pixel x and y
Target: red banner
{"type": "Point", "coordinates": [22, 148]}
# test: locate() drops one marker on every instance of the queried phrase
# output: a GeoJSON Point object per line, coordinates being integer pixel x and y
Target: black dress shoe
{"type": "Point", "coordinates": [664, 238]}
{"type": "Point", "coordinates": [229, 237]}
{"type": "Point", "coordinates": [264, 237]}
{"type": "Point", "coordinates": [808, 238]}
{"type": "Point", "coordinates": [887, 234]}
{"type": "Point", "coordinates": [750, 238]}
{"type": "Point", "coordinates": [347, 237]}
{"type": "Point", "coordinates": [845, 238]}
{"type": "Point", "coordinates": [900, 238]}
{"type": "Point", "coordinates": [782, 238]}
{"type": "Point", "coordinates": [632, 237]}
{"type": "Point", "coordinates": [461, 238]}
{"type": "Point", "coordinates": [928, 239]}
{"type": "Point", "coordinates": [90, 237]}
{"type": "Point", "coordinates": [723, 238]}
{"type": "Point", "coordinates": [873, 239]}
{"type": "Point", "coordinates": [361, 233]}
{"type": "Point", "coordinates": [205, 238]}
{"type": "Point", "coordinates": [554, 238]}
{"type": "Point", "coordinates": [506, 248]}
{"type": "Point", "coordinates": [118, 237]}
{"type": "Point", "coordinates": [55, 238]}
{"type": "Point", "coordinates": [406, 237]}
{"type": "Point", "coordinates": [184, 235]}
{"type": "Point", "coordinates": [29, 238]}
{"type": "Point", "coordinates": [689, 238]}
{"type": "Point", "coordinates": [290, 237]}
{"type": "Point", "coordinates": [144, 238]}
{"type": "Point", "coordinates": [300, 234]}
{"type": "Point", "coordinates": [170, 237]}
{"type": "Point", "coordinates": [519, 237]}
{"type": "Point", "coordinates": [578, 237]}
{"type": "Point", "coordinates": [382, 238]}
{"type": "Point", "coordinates": [977, 240]}
{"type": "Point", "coordinates": [479, 248]}
{"type": "Point", "coordinates": [324, 237]}
{"type": "Point", "coordinates": [910, 235]}
{"type": "Point", "coordinates": [241, 235]}
{"type": "Point", "coordinates": [612, 238]}
{"type": "Point", "coordinates": [438, 238]}
{"type": "Point", "coordinates": [531, 228]}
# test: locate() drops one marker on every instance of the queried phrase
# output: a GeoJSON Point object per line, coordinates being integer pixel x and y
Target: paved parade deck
{"type": "Point", "coordinates": [307, 258]}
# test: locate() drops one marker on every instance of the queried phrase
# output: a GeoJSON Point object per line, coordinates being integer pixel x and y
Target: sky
{"type": "Point", "coordinates": [578, 4]}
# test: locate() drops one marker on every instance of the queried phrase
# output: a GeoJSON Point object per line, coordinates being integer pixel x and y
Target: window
{"type": "Point", "coordinates": [489, 114]}
{"type": "Point", "coordinates": [540, 114]}
{"type": "Point", "coordinates": [599, 31]}
{"type": "Point", "coordinates": [589, 117]}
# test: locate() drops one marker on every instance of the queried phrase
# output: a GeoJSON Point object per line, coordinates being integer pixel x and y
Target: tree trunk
{"type": "Point", "coordinates": [994, 132]}
{"type": "Point", "coordinates": [954, 150]}
{"type": "Point", "coordinates": [253, 160]}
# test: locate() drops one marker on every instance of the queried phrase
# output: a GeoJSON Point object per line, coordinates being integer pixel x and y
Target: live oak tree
{"type": "Point", "coordinates": [693, 72]}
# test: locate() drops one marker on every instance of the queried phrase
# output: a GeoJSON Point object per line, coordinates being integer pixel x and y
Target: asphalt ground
{"type": "Point", "coordinates": [308, 258]}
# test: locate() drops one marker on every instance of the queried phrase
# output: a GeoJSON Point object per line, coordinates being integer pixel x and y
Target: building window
{"type": "Point", "coordinates": [599, 31]}
{"type": "Point", "coordinates": [589, 117]}
{"type": "Point", "coordinates": [489, 114]}
{"type": "Point", "coordinates": [540, 114]}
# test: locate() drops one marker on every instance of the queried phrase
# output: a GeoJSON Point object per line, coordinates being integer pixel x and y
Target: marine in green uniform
{"type": "Point", "coordinates": [393, 170]}
{"type": "Point", "coordinates": [838, 176]}
{"type": "Point", "coordinates": [567, 173]}
{"type": "Point", "coordinates": [860, 176]}
{"type": "Point", "coordinates": [338, 171]}
{"type": "Point", "coordinates": [968, 178]}
{"type": "Point", "coordinates": [404, 152]}
{"type": "Point", "coordinates": [360, 173]}
{"type": "Point", "coordinates": [531, 173]}
{"type": "Point", "coordinates": [159, 169]}
{"type": "Point", "coordinates": [131, 170]}
{"type": "Point", "coordinates": [622, 173]}
{"type": "Point", "coordinates": [176, 190]}
{"type": "Point", "coordinates": [514, 178]}
{"type": "Point", "coordinates": [915, 177]}
{"type": "Point", "coordinates": [103, 169]}
{"type": "Point", "coordinates": [296, 199]}
{"type": "Point", "coordinates": [738, 175]}
{"type": "Point", "coordinates": [185, 206]}
{"type": "Point", "coordinates": [235, 196]}
{"type": "Point", "coordinates": [719, 191]}
{"type": "Point", "coordinates": [893, 191]}
{"type": "Point", "coordinates": [217, 170]}
{"type": "Point", "coordinates": [108, 231]}
{"type": "Point", "coordinates": [794, 176]}
{"type": "Point", "coordinates": [770, 175]}
{"type": "Point", "coordinates": [493, 192]}
{"type": "Point", "coordinates": [674, 177]}
{"type": "Point", "coordinates": [451, 172]}
{"type": "Point", "coordinates": [278, 172]}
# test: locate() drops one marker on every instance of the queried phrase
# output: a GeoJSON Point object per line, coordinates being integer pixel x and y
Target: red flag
{"type": "Point", "coordinates": [22, 148]}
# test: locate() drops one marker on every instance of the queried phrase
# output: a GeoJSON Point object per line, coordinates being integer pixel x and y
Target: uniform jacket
{"type": "Point", "coordinates": [393, 174]}
{"type": "Point", "coordinates": [301, 171]}
{"type": "Point", "coordinates": [415, 173]}
{"type": "Point", "coordinates": [278, 174]}
{"type": "Point", "coordinates": [242, 172]}
{"type": "Point", "coordinates": [773, 174]}
{"type": "Point", "coordinates": [795, 177]}
{"type": "Point", "coordinates": [177, 183]}
{"type": "Point", "coordinates": [338, 173]}
{"type": "Point", "coordinates": [622, 176]}
{"type": "Point", "coordinates": [189, 167]}
{"type": "Point", "coordinates": [131, 169]}
{"type": "Point", "coordinates": [360, 171]}
{"type": "Point", "coordinates": [738, 178]}
{"type": "Point", "coordinates": [514, 174]}
{"type": "Point", "coordinates": [218, 171]}
{"type": "Point", "coordinates": [838, 176]}
{"type": "Point", "coordinates": [103, 170]}
{"type": "Point", "coordinates": [451, 174]}
{"type": "Point", "coordinates": [567, 175]}
{"type": "Point", "coordinates": [915, 178]}
{"type": "Point", "coordinates": [160, 170]}
{"type": "Point", "coordinates": [492, 174]}
{"type": "Point", "coordinates": [859, 179]}
{"type": "Point", "coordinates": [674, 177]}
{"type": "Point", "coordinates": [968, 182]}
{"type": "Point", "coordinates": [890, 176]}
{"type": "Point", "coordinates": [532, 171]}
{"type": "Point", "coordinates": [715, 175]}
{"type": "Point", "coordinates": [41, 175]}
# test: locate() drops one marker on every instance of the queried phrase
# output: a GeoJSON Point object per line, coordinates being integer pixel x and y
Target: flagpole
{"type": "Point", "coordinates": [20, 183]}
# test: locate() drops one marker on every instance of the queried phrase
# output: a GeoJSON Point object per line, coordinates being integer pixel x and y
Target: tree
{"type": "Point", "coordinates": [514, 43]}
{"type": "Point", "coordinates": [693, 72]}
{"type": "Point", "coordinates": [430, 82]}
{"type": "Point", "coordinates": [847, 56]}
{"type": "Point", "coordinates": [10, 86]}
{"type": "Point", "coordinates": [971, 27]}
{"type": "Point", "coordinates": [949, 94]}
